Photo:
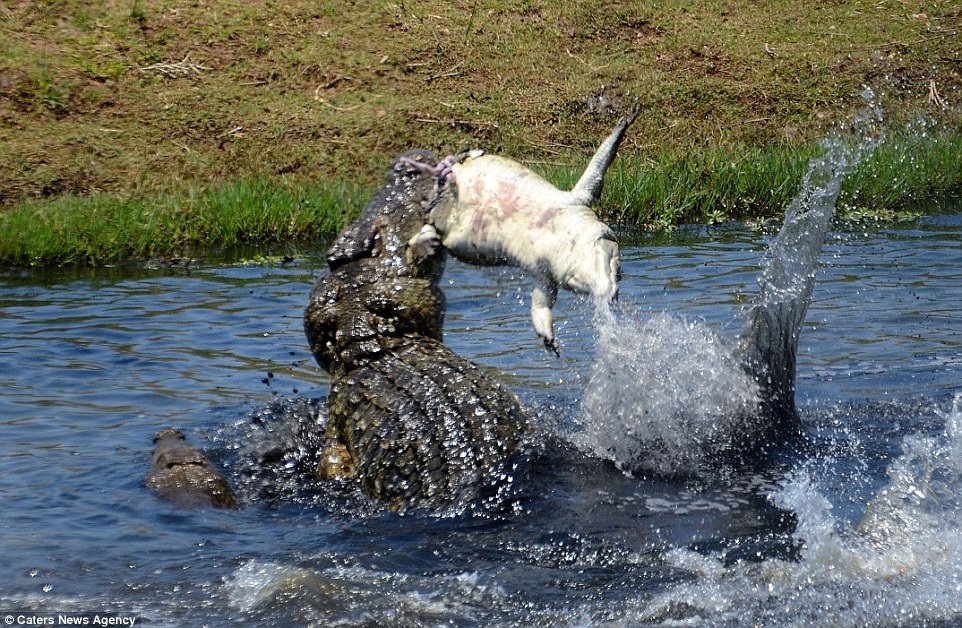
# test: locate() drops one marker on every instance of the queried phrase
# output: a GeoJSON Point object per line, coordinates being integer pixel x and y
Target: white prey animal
{"type": "Point", "coordinates": [494, 210]}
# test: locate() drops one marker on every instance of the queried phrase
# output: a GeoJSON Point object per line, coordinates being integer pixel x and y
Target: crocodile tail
{"type": "Point", "coordinates": [769, 343]}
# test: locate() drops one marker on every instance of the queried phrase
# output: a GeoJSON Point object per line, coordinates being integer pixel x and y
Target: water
{"type": "Point", "coordinates": [94, 362]}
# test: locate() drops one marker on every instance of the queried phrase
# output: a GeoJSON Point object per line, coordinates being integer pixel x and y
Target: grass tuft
{"type": "Point", "coordinates": [104, 229]}
{"type": "Point", "coordinates": [914, 164]}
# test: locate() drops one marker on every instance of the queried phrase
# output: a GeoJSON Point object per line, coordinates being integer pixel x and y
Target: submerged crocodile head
{"type": "Point", "coordinates": [181, 473]}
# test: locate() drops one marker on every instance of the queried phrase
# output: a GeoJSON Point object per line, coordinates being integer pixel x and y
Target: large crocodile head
{"type": "Point", "coordinates": [396, 214]}
{"type": "Point", "coordinates": [384, 273]}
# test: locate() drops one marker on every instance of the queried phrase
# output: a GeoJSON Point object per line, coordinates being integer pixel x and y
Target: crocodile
{"type": "Point", "coordinates": [181, 473]}
{"type": "Point", "coordinates": [416, 425]}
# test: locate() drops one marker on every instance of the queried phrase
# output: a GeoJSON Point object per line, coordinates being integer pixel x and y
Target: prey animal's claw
{"type": "Point", "coordinates": [551, 344]}
{"type": "Point", "coordinates": [420, 166]}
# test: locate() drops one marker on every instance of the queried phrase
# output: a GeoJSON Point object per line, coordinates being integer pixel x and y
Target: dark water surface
{"type": "Point", "coordinates": [93, 363]}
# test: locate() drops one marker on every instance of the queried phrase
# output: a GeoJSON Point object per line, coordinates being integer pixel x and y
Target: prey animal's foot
{"type": "Point", "coordinates": [445, 168]}
{"type": "Point", "coordinates": [442, 171]}
{"type": "Point", "coordinates": [425, 245]}
{"type": "Point", "coordinates": [543, 298]}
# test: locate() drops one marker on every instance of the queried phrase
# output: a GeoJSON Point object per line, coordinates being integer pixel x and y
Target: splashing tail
{"type": "Point", "coordinates": [769, 344]}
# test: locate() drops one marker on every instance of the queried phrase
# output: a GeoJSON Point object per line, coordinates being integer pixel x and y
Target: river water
{"type": "Point", "coordinates": [858, 525]}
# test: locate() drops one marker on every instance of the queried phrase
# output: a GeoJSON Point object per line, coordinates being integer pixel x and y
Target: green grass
{"type": "Point", "coordinates": [740, 183]}
{"type": "Point", "coordinates": [915, 164]}
{"type": "Point", "coordinates": [102, 229]}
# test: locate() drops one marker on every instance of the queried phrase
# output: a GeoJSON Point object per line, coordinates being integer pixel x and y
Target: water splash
{"type": "Point", "coordinates": [669, 395]}
{"type": "Point", "coordinates": [276, 450]}
{"type": "Point", "coordinates": [770, 339]}
{"type": "Point", "coordinates": [900, 565]}
{"type": "Point", "coordinates": [662, 393]}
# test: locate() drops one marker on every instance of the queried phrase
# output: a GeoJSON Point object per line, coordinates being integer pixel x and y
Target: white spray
{"type": "Point", "coordinates": [669, 395]}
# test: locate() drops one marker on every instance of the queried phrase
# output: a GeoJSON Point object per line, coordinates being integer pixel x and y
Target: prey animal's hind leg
{"type": "Point", "coordinates": [598, 273]}
{"type": "Point", "coordinates": [543, 298]}
{"type": "Point", "coordinates": [609, 267]}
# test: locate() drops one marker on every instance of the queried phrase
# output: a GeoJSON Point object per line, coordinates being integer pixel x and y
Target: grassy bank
{"type": "Point", "coordinates": [130, 128]}
{"type": "Point", "coordinates": [703, 186]}
{"type": "Point", "coordinates": [104, 229]}
{"type": "Point", "coordinates": [749, 182]}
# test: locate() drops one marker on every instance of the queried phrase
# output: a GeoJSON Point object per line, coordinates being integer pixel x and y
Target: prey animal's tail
{"type": "Point", "coordinates": [588, 189]}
